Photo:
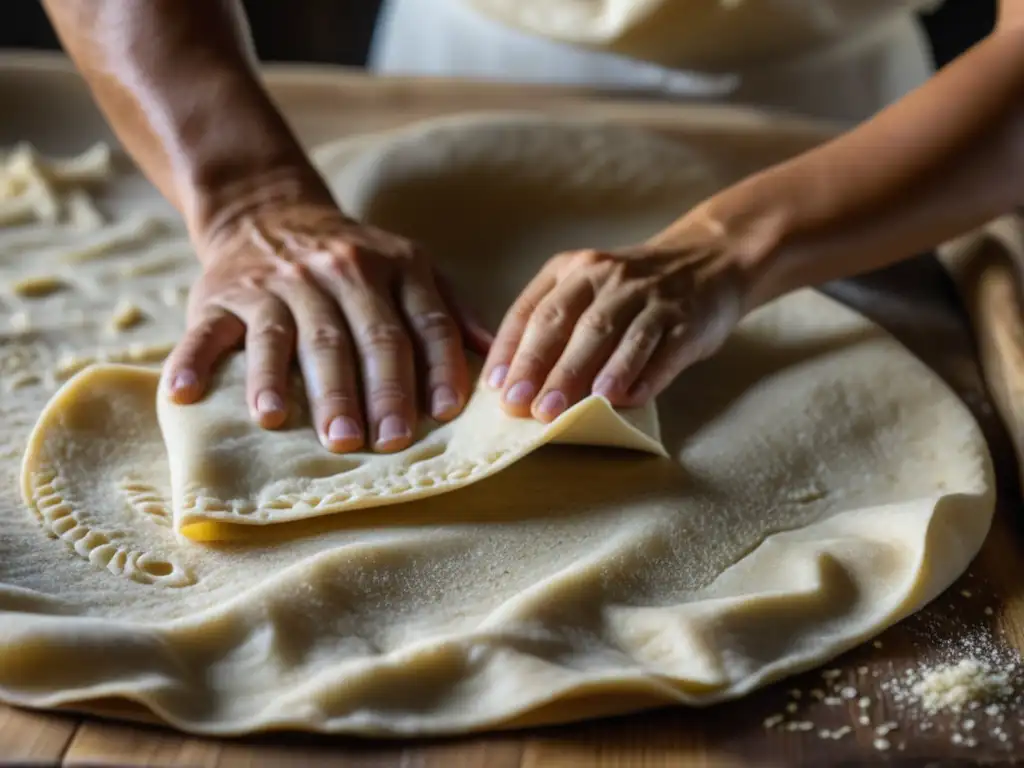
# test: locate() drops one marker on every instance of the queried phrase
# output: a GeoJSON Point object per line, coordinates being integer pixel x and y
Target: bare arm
{"type": "Point", "coordinates": [284, 271]}
{"type": "Point", "coordinates": [176, 81]}
{"type": "Point", "coordinates": [946, 158]}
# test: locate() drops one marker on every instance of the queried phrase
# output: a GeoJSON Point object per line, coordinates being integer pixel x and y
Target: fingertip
{"type": "Point", "coordinates": [445, 403]}
{"type": "Point", "coordinates": [393, 434]}
{"type": "Point", "coordinates": [343, 435]}
{"type": "Point", "coordinates": [518, 398]}
{"type": "Point", "coordinates": [607, 387]}
{"type": "Point", "coordinates": [497, 375]}
{"type": "Point", "coordinates": [550, 406]}
{"type": "Point", "coordinates": [185, 387]}
{"type": "Point", "coordinates": [270, 411]}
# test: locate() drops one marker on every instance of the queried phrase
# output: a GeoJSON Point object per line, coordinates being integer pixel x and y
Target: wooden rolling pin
{"type": "Point", "coordinates": [988, 269]}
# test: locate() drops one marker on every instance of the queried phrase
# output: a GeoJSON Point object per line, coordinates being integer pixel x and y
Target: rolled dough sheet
{"type": "Point", "coordinates": [818, 483]}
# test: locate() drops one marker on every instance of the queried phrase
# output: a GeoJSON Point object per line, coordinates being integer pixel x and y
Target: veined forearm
{"type": "Point", "coordinates": [176, 81]}
{"type": "Point", "coordinates": [942, 160]}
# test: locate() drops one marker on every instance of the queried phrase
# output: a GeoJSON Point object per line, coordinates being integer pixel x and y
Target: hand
{"type": "Point", "coordinates": [357, 305]}
{"type": "Point", "coordinates": [622, 324]}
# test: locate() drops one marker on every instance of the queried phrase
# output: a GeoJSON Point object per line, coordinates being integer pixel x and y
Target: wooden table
{"type": "Point", "coordinates": [915, 301]}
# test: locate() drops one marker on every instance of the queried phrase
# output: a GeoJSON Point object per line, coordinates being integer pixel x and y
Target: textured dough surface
{"type": "Point", "coordinates": [819, 484]}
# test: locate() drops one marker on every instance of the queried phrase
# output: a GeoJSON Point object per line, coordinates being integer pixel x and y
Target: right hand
{"type": "Point", "coordinates": [361, 308]}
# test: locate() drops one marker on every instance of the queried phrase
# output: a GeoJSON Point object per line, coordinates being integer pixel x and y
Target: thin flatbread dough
{"type": "Point", "coordinates": [820, 484]}
{"type": "Point", "coordinates": [226, 470]}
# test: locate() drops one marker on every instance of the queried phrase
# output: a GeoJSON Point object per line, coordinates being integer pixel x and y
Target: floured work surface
{"type": "Point", "coordinates": [822, 484]}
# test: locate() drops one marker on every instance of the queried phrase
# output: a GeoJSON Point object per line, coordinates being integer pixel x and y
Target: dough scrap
{"type": "Point", "coordinates": [820, 484]}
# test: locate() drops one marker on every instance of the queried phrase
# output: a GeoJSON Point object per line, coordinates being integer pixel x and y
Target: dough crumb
{"type": "Point", "coordinates": [881, 744]}
{"type": "Point", "coordinates": [38, 287]}
{"type": "Point", "coordinates": [126, 316]}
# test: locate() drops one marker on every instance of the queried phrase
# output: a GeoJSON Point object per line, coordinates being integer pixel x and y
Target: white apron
{"type": "Point", "coordinates": [848, 81]}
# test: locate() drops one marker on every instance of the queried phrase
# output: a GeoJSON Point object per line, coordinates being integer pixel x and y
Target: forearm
{"type": "Point", "coordinates": [942, 160]}
{"type": "Point", "coordinates": [176, 81]}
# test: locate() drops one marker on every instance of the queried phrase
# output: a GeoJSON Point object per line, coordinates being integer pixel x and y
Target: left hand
{"type": "Point", "coordinates": [621, 323]}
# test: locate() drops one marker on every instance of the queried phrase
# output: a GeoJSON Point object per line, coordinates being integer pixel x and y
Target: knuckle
{"type": "Point", "coordinates": [326, 338]}
{"type": "Point", "coordinates": [434, 326]}
{"type": "Point", "coordinates": [643, 339]}
{"type": "Point", "coordinates": [521, 314]}
{"type": "Point", "coordinates": [677, 332]}
{"type": "Point", "coordinates": [205, 328]}
{"type": "Point", "coordinates": [588, 257]}
{"type": "Point", "coordinates": [383, 337]}
{"type": "Point", "coordinates": [597, 322]}
{"type": "Point", "coordinates": [339, 400]}
{"type": "Point", "coordinates": [387, 393]}
{"type": "Point", "coordinates": [345, 259]}
{"type": "Point", "coordinates": [530, 361]}
{"type": "Point", "coordinates": [551, 315]}
{"type": "Point", "coordinates": [271, 334]}
{"type": "Point", "coordinates": [567, 373]}
{"type": "Point", "coordinates": [294, 271]}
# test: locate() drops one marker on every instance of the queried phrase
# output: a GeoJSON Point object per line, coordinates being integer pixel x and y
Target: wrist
{"type": "Point", "coordinates": [221, 211]}
{"type": "Point", "coordinates": [748, 230]}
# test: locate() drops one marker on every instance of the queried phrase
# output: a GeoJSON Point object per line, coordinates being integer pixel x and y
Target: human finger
{"type": "Point", "coordinates": [269, 345]}
{"type": "Point", "coordinates": [543, 340]}
{"type": "Point", "coordinates": [188, 368]}
{"type": "Point", "coordinates": [678, 348]}
{"type": "Point", "coordinates": [597, 333]}
{"type": "Point", "coordinates": [327, 358]}
{"type": "Point", "coordinates": [620, 372]}
{"type": "Point", "coordinates": [436, 336]}
{"type": "Point", "coordinates": [513, 325]}
{"type": "Point", "coordinates": [385, 352]}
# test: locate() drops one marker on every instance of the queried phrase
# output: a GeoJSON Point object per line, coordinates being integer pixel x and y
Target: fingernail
{"type": "Point", "coordinates": [443, 401]}
{"type": "Point", "coordinates": [552, 404]}
{"type": "Point", "coordinates": [497, 378]}
{"type": "Point", "coordinates": [269, 402]}
{"type": "Point", "coordinates": [604, 386]}
{"type": "Point", "coordinates": [184, 380]}
{"type": "Point", "coordinates": [392, 428]}
{"type": "Point", "coordinates": [521, 393]}
{"type": "Point", "coordinates": [342, 428]}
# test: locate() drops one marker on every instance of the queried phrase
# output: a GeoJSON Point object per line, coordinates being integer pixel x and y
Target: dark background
{"type": "Point", "coordinates": [338, 31]}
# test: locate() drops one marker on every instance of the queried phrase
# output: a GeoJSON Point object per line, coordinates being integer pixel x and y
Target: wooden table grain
{"type": "Point", "coordinates": [916, 301]}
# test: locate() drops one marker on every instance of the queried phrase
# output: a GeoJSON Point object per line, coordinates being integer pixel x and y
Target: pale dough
{"type": "Point", "coordinates": [819, 484]}
{"type": "Point", "coordinates": [710, 35]}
